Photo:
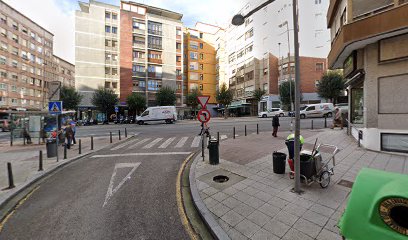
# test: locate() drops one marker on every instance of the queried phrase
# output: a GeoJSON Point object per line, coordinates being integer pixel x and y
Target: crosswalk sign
{"type": "Point", "coordinates": [55, 107]}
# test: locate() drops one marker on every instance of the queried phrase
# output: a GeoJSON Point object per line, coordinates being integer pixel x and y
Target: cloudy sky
{"type": "Point", "coordinates": [58, 16]}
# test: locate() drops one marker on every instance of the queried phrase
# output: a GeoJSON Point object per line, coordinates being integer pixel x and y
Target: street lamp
{"type": "Point", "coordinates": [239, 19]}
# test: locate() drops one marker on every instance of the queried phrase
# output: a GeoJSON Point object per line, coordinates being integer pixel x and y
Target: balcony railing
{"type": "Point", "coordinates": [155, 46]}
{"type": "Point", "coordinates": [155, 32]}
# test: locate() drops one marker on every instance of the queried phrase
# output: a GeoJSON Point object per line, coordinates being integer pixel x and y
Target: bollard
{"type": "Point", "coordinates": [233, 133]}
{"type": "Point", "coordinates": [325, 122]}
{"type": "Point", "coordinates": [40, 161]}
{"type": "Point", "coordinates": [10, 176]}
{"type": "Point", "coordinates": [125, 133]}
{"type": "Point", "coordinates": [91, 142]}
{"type": "Point", "coordinates": [65, 151]}
{"type": "Point", "coordinates": [312, 125]}
{"type": "Point", "coordinates": [257, 128]}
{"type": "Point", "coordinates": [245, 131]}
{"type": "Point", "coordinates": [218, 137]}
{"type": "Point", "coordinates": [119, 134]}
{"type": "Point", "coordinates": [79, 147]}
{"type": "Point", "coordinates": [110, 137]}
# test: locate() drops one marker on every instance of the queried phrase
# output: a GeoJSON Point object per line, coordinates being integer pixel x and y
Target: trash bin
{"type": "Point", "coordinates": [51, 145]}
{"type": "Point", "coordinates": [213, 151]}
{"type": "Point", "coordinates": [279, 162]}
{"type": "Point", "coordinates": [306, 165]}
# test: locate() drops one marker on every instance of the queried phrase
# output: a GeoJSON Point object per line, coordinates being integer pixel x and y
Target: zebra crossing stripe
{"type": "Point", "coordinates": [196, 141]}
{"type": "Point", "coordinates": [152, 143]}
{"type": "Point", "coordinates": [139, 143]}
{"type": "Point", "coordinates": [123, 145]}
{"type": "Point", "coordinates": [223, 137]}
{"type": "Point", "coordinates": [167, 142]}
{"type": "Point", "coordinates": [181, 142]}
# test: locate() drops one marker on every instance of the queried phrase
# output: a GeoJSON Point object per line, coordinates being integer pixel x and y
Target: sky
{"type": "Point", "coordinates": [58, 16]}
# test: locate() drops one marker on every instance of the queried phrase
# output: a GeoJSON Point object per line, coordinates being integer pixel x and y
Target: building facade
{"type": "Point", "coordinates": [64, 72]}
{"type": "Point", "coordinates": [26, 56]}
{"type": "Point", "coordinates": [200, 61]}
{"type": "Point", "coordinates": [151, 51]}
{"type": "Point", "coordinates": [369, 41]}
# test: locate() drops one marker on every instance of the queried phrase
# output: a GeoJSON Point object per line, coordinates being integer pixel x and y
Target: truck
{"type": "Point", "coordinates": [317, 110]}
{"type": "Point", "coordinates": [168, 114]}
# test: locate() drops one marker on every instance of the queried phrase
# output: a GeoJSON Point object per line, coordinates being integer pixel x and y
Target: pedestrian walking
{"type": "Point", "coordinates": [73, 127]}
{"type": "Point", "coordinates": [68, 135]}
{"type": "Point", "coordinates": [338, 119]}
{"type": "Point", "coordinates": [275, 125]}
{"type": "Point", "coordinates": [26, 135]}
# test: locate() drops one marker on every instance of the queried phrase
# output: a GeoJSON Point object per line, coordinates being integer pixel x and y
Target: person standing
{"type": "Point", "coordinates": [73, 127]}
{"type": "Point", "coordinates": [338, 119]}
{"type": "Point", "coordinates": [68, 134]}
{"type": "Point", "coordinates": [275, 125]}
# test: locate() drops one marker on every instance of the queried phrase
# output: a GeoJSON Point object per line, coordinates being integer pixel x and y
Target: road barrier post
{"type": "Point", "coordinates": [257, 128]}
{"type": "Point", "coordinates": [312, 124]}
{"type": "Point", "coordinates": [92, 143]}
{"type": "Point", "coordinates": [40, 161]}
{"type": "Point", "coordinates": [218, 137]}
{"type": "Point", "coordinates": [65, 151]}
{"type": "Point", "coordinates": [110, 133]}
{"type": "Point", "coordinates": [119, 134]}
{"type": "Point", "coordinates": [233, 133]}
{"type": "Point", "coordinates": [79, 146]}
{"type": "Point", "coordinates": [10, 176]}
{"type": "Point", "coordinates": [125, 133]}
{"type": "Point", "coordinates": [325, 122]}
{"type": "Point", "coordinates": [245, 131]}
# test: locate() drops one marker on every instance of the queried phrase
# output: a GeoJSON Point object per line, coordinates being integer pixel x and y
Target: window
{"type": "Point", "coordinates": [33, 35]}
{"type": "Point", "coordinates": [311, 108]}
{"type": "Point", "coordinates": [249, 33]}
{"type": "Point", "coordinates": [3, 19]}
{"type": "Point", "coordinates": [153, 85]}
{"type": "Point", "coordinates": [14, 38]}
{"type": "Point", "coordinates": [114, 30]}
{"type": "Point", "coordinates": [201, 35]}
{"type": "Point", "coordinates": [142, 84]}
{"type": "Point", "coordinates": [178, 46]}
{"type": "Point", "coordinates": [231, 58]}
{"type": "Point", "coordinates": [318, 1]}
{"type": "Point", "coordinates": [107, 15]}
{"type": "Point", "coordinates": [139, 25]}
{"type": "Point", "coordinates": [24, 42]}
{"type": "Point", "coordinates": [24, 55]}
{"type": "Point", "coordinates": [108, 56]}
{"type": "Point", "coordinates": [154, 28]}
{"type": "Point", "coordinates": [201, 66]}
{"type": "Point", "coordinates": [3, 32]}
{"type": "Point", "coordinates": [32, 46]}
{"type": "Point", "coordinates": [248, 49]}
{"type": "Point", "coordinates": [3, 86]}
{"type": "Point", "coordinates": [178, 72]}
{"type": "Point", "coordinates": [145, 113]}
{"type": "Point", "coordinates": [4, 46]}
{"type": "Point", "coordinates": [3, 60]}
{"type": "Point", "coordinates": [201, 76]}
{"type": "Point", "coordinates": [107, 29]}
{"type": "Point", "coordinates": [178, 32]}
{"type": "Point", "coordinates": [138, 54]}
{"type": "Point", "coordinates": [138, 68]}
{"type": "Point", "coordinates": [193, 45]}
{"type": "Point", "coordinates": [201, 45]}
{"type": "Point", "coordinates": [3, 74]}
{"type": "Point", "coordinates": [107, 70]}
{"type": "Point", "coordinates": [114, 71]}
{"type": "Point", "coordinates": [14, 51]}
{"type": "Point", "coordinates": [193, 55]}
{"type": "Point", "coordinates": [201, 56]}
{"type": "Point", "coordinates": [154, 42]}
{"type": "Point", "coordinates": [193, 76]}
{"type": "Point", "coordinates": [319, 66]}
{"type": "Point", "coordinates": [114, 43]}
{"type": "Point", "coordinates": [201, 87]}
{"type": "Point", "coordinates": [107, 84]}
{"type": "Point", "coordinates": [193, 66]}
{"type": "Point", "coordinates": [115, 85]}
{"type": "Point", "coordinates": [178, 58]}
{"type": "Point", "coordinates": [24, 30]}
{"type": "Point", "coordinates": [13, 88]}
{"type": "Point", "coordinates": [317, 82]}
{"type": "Point", "coordinates": [14, 101]}
{"type": "Point", "coordinates": [114, 16]}
{"type": "Point", "coordinates": [14, 64]}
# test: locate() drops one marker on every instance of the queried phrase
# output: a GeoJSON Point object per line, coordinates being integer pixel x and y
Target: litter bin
{"type": "Point", "coordinates": [213, 151]}
{"type": "Point", "coordinates": [306, 165]}
{"type": "Point", "coordinates": [51, 145]}
{"type": "Point", "coordinates": [279, 162]}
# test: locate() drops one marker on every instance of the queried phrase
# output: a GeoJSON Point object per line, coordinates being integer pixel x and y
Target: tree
{"type": "Point", "coordinates": [166, 96]}
{"type": "Point", "coordinates": [258, 94]}
{"type": "Point", "coordinates": [70, 98]}
{"type": "Point", "coordinates": [285, 90]}
{"type": "Point", "coordinates": [224, 97]}
{"type": "Point", "coordinates": [104, 100]}
{"type": "Point", "coordinates": [192, 100]}
{"type": "Point", "coordinates": [136, 102]}
{"type": "Point", "coordinates": [331, 86]}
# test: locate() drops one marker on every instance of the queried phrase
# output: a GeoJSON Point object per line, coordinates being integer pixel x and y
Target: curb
{"type": "Point", "coordinates": [205, 214]}
{"type": "Point", "coordinates": [8, 197]}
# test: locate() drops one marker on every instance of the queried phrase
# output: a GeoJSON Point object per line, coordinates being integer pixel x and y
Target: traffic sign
{"type": "Point", "coordinates": [54, 90]}
{"type": "Point", "coordinates": [55, 107]}
{"type": "Point", "coordinates": [203, 100]}
{"type": "Point", "coordinates": [204, 115]}
{"type": "Point", "coordinates": [116, 109]}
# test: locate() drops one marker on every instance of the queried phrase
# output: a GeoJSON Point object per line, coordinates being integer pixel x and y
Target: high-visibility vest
{"type": "Point", "coordinates": [292, 136]}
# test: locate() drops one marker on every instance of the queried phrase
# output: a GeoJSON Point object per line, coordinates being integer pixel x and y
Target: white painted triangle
{"type": "Point", "coordinates": [55, 108]}
{"type": "Point", "coordinates": [112, 190]}
{"type": "Point", "coordinates": [203, 100]}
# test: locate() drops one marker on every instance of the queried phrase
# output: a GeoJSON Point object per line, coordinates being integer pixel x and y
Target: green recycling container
{"type": "Point", "coordinates": [377, 208]}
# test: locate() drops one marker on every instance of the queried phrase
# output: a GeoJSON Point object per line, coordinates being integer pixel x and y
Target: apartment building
{"type": "Point", "coordinates": [221, 59]}
{"type": "Point", "coordinates": [151, 51]}
{"type": "Point", "coordinates": [200, 61]}
{"type": "Point", "coordinates": [26, 56]}
{"type": "Point", "coordinates": [97, 34]}
{"type": "Point", "coordinates": [64, 72]}
{"type": "Point", "coordinates": [369, 41]}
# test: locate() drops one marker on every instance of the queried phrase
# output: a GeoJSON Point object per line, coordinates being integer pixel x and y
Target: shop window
{"type": "Point", "coordinates": [357, 105]}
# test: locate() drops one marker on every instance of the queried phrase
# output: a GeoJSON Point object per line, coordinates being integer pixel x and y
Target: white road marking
{"type": "Point", "coordinates": [140, 154]}
{"type": "Point", "coordinates": [196, 141]}
{"type": "Point", "coordinates": [112, 190]}
{"type": "Point", "coordinates": [123, 145]}
{"type": "Point", "coordinates": [167, 142]}
{"type": "Point", "coordinates": [139, 143]}
{"type": "Point", "coordinates": [181, 142]}
{"type": "Point", "coordinates": [223, 137]}
{"type": "Point", "coordinates": [154, 142]}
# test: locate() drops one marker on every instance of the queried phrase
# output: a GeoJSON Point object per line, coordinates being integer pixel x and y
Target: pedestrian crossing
{"type": "Point", "coordinates": [162, 143]}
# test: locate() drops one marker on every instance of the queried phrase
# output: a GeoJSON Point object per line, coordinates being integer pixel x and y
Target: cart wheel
{"type": "Point", "coordinates": [324, 179]}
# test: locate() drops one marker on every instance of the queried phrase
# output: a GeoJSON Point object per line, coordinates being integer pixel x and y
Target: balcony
{"type": "Point", "coordinates": [139, 31]}
{"type": "Point", "coordinates": [140, 45]}
{"type": "Point", "coordinates": [154, 75]}
{"type": "Point", "coordinates": [369, 30]}
{"type": "Point", "coordinates": [139, 60]}
{"type": "Point", "coordinates": [155, 60]}
{"type": "Point", "coordinates": [155, 46]}
{"type": "Point", "coordinates": [138, 74]}
{"type": "Point", "coordinates": [155, 32]}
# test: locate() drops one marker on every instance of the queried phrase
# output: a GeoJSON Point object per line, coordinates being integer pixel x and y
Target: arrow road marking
{"type": "Point", "coordinates": [112, 190]}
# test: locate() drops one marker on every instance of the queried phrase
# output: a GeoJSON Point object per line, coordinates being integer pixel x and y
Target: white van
{"type": "Point", "coordinates": [317, 110]}
{"type": "Point", "coordinates": [161, 113]}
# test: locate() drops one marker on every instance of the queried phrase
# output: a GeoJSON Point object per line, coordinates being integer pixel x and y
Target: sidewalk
{"type": "Point", "coordinates": [25, 160]}
{"type": "Point", "coordinates": [257, 204]}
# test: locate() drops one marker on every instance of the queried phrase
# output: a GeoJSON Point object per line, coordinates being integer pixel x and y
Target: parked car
{"type": "Point", "coordinates": [317, 110]}
{"type": "Point", "coordinates": [162, 113]}
{"type": "Point", "coordinates": [272, 112]}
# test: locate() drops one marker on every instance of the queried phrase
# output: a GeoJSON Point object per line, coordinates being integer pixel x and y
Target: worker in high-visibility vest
{"type": "Point", "coordinates": [292, 137]}
{"type": "Point", "coordinates": [290, 143]}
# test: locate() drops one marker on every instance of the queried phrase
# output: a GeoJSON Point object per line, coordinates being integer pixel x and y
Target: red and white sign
{"type": "Point", "coordinates": [204, 115]}
{"type": "Point", "coordinates": [203, 100]}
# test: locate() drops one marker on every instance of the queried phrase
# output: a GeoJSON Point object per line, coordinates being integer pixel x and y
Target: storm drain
{"type": "Point", "coordinates": [220, 179]}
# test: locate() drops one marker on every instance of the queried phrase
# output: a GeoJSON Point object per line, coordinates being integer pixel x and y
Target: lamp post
{"type": "Point", "coordinates": [239, 19]}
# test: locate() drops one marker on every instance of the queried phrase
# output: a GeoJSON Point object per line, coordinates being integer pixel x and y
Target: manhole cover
{"type": "Point", "coordinates": [345, 183]}
{"type": "Point", "coordinates": [220, 179]}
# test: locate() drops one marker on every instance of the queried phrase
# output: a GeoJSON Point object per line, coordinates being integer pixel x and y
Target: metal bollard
{"type": "Point", "coordinates": [125, 133]}
{"type": "Point", "coordinates": [79, 147]}
{"type": "Point", "coordinates": [10, 176]}
{"type": "Point", "coordinates": [110, 137]}
{"type": "Point", "coordinates": [40, 161]}
{"type": "Point", "coordinates": [119, 134]}
{"type": "Point", "coordinates": [91, 142]}
{"type": "Point", "coordinates": [257, 128]}
{"type": "Point", "coordinates": [233, 133]}
{"type": "Point", "coordinates": [245, 131]}
{"type": "Point", "coordinates": [312, 124]}
{"type": "Point", "coordinates": [325, 122]}
{"type": "Point", "coordinates": [65, 151]}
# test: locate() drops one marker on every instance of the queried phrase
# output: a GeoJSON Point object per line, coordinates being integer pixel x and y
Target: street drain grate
{"type": "Point", "coordinates": [345, 183]}
{"type": "Point", "coordinates": [220, 179]}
